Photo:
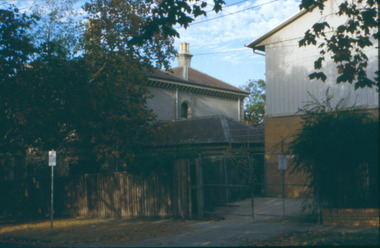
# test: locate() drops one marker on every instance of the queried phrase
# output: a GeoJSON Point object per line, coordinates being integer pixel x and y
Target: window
{"type": "Point", "coordinates": [185, 110]}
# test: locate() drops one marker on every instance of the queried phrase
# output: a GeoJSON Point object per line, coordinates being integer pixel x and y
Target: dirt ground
{"type": "Point", "coordinates": [81, 231]}
{"type": "Point", "coordinates": [272, 225]}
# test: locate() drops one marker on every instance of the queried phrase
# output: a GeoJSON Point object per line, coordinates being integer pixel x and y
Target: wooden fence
{"type": "Point", "coordinates": [105, 195]}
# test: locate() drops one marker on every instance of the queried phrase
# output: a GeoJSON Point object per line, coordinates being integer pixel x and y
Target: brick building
{"type": "Point", "coordinates": [288, 86]}
{"type": "Point", "coordinates": [185, 93]}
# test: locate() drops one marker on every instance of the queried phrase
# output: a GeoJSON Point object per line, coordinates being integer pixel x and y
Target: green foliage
{"type": "Point", "coordinates": [59, 25]}
{"type": "Point", "coordinates": [337, 148]}
{"type": "Point", "coordinates": [15, 46]}
{"type": "Point", "coordinates": [348, 41]}
{"type": "Point", "coordinates": [90, 103]}
{"type": "Point", "coordinates": [141, 29]}
{"type": "Point", "coordinates": [254, 104]}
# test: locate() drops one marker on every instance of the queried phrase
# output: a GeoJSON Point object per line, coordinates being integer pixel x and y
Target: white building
{"type": "Point", "coordinates": [187, 93]}
{"type": "Point", "coordinates": [288, 85]}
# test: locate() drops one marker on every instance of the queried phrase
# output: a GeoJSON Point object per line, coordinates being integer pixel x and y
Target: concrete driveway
{"type": "Point", "coordinates": [238, 228]}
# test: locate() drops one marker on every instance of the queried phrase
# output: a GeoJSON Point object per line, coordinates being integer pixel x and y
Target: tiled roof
{"type": "Point", "coordinates": [195, 78]}
{"type": "Point", "coordinates": [209, 130]}
{"type": "Point", "coordinates": [204, 79]}
{"type": "Point", "coordinates": [164, 75]}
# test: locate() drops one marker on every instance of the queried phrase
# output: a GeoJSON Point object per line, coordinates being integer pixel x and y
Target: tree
{"type": "Point", "coordinates": [254, 104]}
{"type": "Point", "coordinates": [96, 99]}
{"type": "Point", "coordinates": [348, 41]}
{"type": "Point", "coordinates": [336, 148]}
{"type": "Point", "coordinates": [15, 45]}
{"type": "Point", "coordinates": [143, 30]}
{"type": "Point", "coordinates": [15, 51]}
{"type": "Point", "coordinates": [59, 23]}
{"type": "Point", "coordinates": [122, 41]}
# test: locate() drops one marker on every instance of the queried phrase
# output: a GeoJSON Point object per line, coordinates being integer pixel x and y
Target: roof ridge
{"type": "Point", "coordinates": [218, 84]}
{"type": "Point", "coordinates": [226, 127]}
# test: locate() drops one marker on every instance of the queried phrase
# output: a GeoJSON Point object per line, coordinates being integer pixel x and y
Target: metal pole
{"type": "Point", "coordinates": [252, 188]}
{"type": "Point", "coordinates": [52, 198]}
{"type": "Point", "coordinates": [265, 176]}
{"type": "Point", "coordinates": [201, 186]}
{"type": "Point", "coordinates": [226, 177]}
{"type": "Point", "coordinates": [283, 182]}
{"type": "Point", "coordinates": [283, 193]}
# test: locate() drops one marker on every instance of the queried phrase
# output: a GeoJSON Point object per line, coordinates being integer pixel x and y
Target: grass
{"type": "Point", "coordinates": [75, 231]}
{"type": "Point", "coordinates": [323, 239]}
{"type": "Point", "coordinates": [82, 231]}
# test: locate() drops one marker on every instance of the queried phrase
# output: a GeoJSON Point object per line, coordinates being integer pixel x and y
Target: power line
{"type": "Point", "coordinates": [229, 5]}
{"type": "Point", "coordinates": [233, 13]}
{"type": "Point", "coordinates": [233, 51]}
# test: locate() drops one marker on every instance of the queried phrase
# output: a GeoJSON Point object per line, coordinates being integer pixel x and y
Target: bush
{"type": "Point", "coordinates": [338, 150]}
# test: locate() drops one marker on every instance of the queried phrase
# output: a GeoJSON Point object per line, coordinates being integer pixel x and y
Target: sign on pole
{"type": "Point", "coordinates": [52, 158]}
{"type": "Point", "coordinates": [282, 163]}
{"type": "Point", "coordinates": [52, 163]}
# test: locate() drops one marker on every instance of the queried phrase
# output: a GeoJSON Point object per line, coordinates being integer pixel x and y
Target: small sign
{"type": "Point", "coordinates": [282, 163]}
{"type": "Point", "coordinates": [52, 158]}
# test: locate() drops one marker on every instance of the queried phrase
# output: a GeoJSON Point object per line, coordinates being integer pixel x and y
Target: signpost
{"type": "Point", "coordinates": [282, 165]}
{"type": "Point", "coordinates": [52, 163]}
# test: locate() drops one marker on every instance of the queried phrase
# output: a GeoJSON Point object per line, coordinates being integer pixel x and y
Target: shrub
{"type": "Point", "coordinates": [338, 150]}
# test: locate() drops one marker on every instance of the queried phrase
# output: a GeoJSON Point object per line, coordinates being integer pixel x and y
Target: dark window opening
{"type": "Point", "coordinates": [184, 110]}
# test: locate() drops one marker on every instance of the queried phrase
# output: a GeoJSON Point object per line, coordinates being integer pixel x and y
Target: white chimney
{"type": "Point", "coordinates": [184, 58]}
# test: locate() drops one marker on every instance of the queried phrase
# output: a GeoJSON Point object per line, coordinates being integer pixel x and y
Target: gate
{"type": "Point", "coordinates": [230, 184]}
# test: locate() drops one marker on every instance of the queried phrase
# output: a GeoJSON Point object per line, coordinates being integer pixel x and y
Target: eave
{"type": "Point", "coordinates": [199, 89]}
{"type": "Point", "coordinates": [255, 44]}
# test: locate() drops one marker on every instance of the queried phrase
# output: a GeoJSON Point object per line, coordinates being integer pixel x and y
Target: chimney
{"type": "Point", "coordinates": [184, 59]}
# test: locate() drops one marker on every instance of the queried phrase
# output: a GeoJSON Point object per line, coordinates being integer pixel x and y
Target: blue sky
{"type": "Point", "coordinates": [218, 44]}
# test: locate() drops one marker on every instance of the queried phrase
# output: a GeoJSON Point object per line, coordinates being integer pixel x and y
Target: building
{"type": "Point", "coordinates": [184, 93]}
{"type": "Point", "coordinates": [288, 86]}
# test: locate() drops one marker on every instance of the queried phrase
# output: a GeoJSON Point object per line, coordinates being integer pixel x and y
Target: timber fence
{"type": "Point", "coordinates": [100, 195]}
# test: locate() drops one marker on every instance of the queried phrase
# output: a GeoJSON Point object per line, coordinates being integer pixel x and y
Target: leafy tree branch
{"type": "Point", "coordinates": [346, 46]}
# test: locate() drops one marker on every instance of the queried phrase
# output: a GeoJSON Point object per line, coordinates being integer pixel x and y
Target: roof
{"type": "Point", "coordinates": [254, 44]}
{"type": "Point", "coordinates": [209, 130]}
{"type": "Point", "coordinates": [164, 75]}
{"type": "Point", "coordinates": [200, 78]}
{"type": "Point", "coordinates": [195, 78]}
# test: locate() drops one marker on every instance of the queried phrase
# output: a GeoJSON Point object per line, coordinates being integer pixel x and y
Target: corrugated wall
{"type": "Point", "coordinates": [288, 67]}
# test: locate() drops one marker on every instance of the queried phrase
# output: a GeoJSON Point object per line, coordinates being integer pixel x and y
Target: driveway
{"type": "Point", "coordinates": [242, 229]}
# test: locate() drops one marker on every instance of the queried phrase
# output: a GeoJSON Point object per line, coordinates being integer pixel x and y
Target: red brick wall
{"type": "Point", "coordinates": [351, 217]}
{"type": "Point", "coordinates": [278, 133]}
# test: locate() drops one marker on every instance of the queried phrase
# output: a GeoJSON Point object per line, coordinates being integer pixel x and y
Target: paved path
{"type": "Point", "coordinates": [242, 230]}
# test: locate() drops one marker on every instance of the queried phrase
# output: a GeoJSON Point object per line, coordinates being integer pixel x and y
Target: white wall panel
{"type": "Point", "coordinates": [288, 67]}
{"type": "Point", "coordinates": [163, 104]}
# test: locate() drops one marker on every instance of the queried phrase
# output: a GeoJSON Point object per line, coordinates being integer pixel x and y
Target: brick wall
{"type": "Point", "coordinates": [278, 133]}
{"type": "Point", "coordinates": [351, 217]}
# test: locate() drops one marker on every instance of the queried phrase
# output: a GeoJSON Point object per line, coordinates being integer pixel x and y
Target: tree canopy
{"type": "Point", "coordinates": [85, 93]}
{"type": "Point", "coordinates": [347, 43]}
{"type": "Point", "coordinates": [254, 104]}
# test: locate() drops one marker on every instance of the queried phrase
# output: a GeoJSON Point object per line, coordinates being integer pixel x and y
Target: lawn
{"type": "Point", "coordinates": [78, 231]}
{"type": "Point", "coordinates": [324, 238]}
{"type": "Point", "coordinates": [83, 231]}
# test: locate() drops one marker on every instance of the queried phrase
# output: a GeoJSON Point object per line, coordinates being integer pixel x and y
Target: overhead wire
{"type": "Point", "coordinates": [232, 51]}
{"type": "Point", "coordinates": [233, 13]}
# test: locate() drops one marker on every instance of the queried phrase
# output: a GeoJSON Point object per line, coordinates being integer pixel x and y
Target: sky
{"type": "Point", "coordinates": [218, 41]}
{"type": "Point", "coordinates": [218, 45]}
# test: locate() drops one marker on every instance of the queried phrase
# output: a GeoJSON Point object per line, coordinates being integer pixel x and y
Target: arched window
{"type": "Point", "coordinates": [185, 110]}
